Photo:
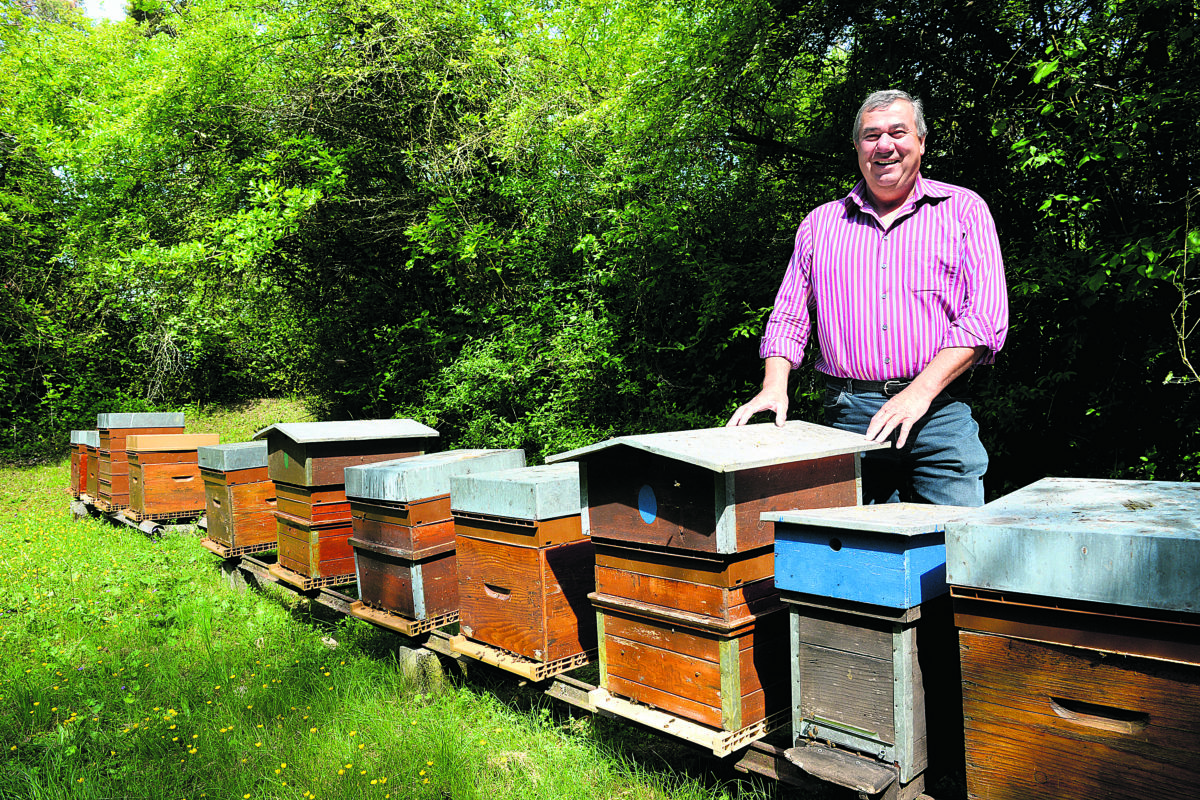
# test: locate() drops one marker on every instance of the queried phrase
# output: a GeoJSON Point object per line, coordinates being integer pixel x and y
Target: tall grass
{"type": "Point", "coordinates": [130, 669]}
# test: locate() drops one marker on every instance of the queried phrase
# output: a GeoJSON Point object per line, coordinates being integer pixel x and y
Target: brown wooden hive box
{"type": "Point", "coordinates": [408, 526]}
{"type": "Point", "coordinates": [314, 504]}
{"type": "Point", "coordinates": [880, 681]}
{"type": "Point", "coordinates": [313, 454]}
{"type": "Point", "coordinates": [315, 551]}
{"type": "Point", "coordinates": [164, 474]}
{"type": "Point", "coordinates": [704, 490]}
{"type": "Point", "coordinates": [532, 601]}
{"type": "Point", "coordinates": [93, 471]}
{"type": "Point", "coordinates": [708, 588]}
{"type": "Point", "coordinates": [727, 679]}
{"type": "Point", "coordinates": [403, 530]}
{"type": "Point", "coordinates": [414, 584]}
{"type": "Point", "coordinates": [242, 513]}
{"type": "Point", "coordinates": [112, 481]}
{"type": "Point", "coordinates": [1047, 720]}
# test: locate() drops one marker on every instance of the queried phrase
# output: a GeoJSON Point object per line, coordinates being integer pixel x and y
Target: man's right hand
{"type": "Point", "coordinates": [773, 397]}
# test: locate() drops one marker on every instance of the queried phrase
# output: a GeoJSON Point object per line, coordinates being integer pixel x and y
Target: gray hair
{"type": "Point", "coordinates": [884, 99]}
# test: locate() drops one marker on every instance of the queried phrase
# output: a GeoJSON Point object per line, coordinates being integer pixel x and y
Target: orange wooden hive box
{"type": "Point", "coordinates": [112, 467]}
{"type": "Point", "coordinates": [689, 620]}
{"type": "Point", "coordinates": [80, 442]}
{"type": "Point", "coordinates": [239, 498]}
{"type": "Point", "coordinates": [307, 462]}
{"type": "Point", "coordinates": [164, 474]}
{"type": "Point", "coordinates": [525, 567]}
{"type": "Point", "coordinates": [404, 546]}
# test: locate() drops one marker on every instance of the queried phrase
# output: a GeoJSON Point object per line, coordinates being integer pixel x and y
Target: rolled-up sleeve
{"type": "Point", "coordinates": [981, 317]}
{"type": "Point", "coordinates": [790, 323]}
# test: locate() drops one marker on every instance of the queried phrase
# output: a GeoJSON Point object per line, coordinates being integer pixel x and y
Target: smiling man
{"type": "Point", "coordinates": [906, 282]}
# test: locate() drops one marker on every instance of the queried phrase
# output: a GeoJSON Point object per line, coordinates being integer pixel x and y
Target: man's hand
{"type": "Point", "coordinates": [773, 397]}
{"type": "Point", "coordinates": [902, 412]}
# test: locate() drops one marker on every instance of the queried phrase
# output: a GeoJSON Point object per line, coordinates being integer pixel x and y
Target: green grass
{"type": "Point", "coordinates": [129, 668]}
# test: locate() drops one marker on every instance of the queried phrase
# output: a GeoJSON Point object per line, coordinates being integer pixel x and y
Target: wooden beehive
{"type": "Point", "coordinates": [317, 453]}
{"type": "Point", "coordinates": [525, 567]}
{"type": "Point", "coordinates": [727, 678]}
{"type": "Point", "coordinates": [307, 462]}
{"type": "Point", "coordinates": [79, 462]}
{"type": "Point", "coordinates": [416, 584]}
{"type": "Point", "coordinates": [704, 490]}
{"type": "Point", "coordinates": [403, 531]}
{"type": "Point", "coordinates": [239, 498]}
{"type": "Point", "coordinates": [112, 469]}
{"type": "Point", "coordinates": [164, 474]}
{"type": "Point", "coordinates": [872, 641]}
{"type": "Point", "coordinates": [92, 480]}
{"type": "Point", "coordinates": [684, 557]}
{"type": "Point", "coordinates": [1080, 639]}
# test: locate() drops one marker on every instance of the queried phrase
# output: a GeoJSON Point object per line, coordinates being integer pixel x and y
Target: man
{"type": "Point", "coordinates": [907, 283]}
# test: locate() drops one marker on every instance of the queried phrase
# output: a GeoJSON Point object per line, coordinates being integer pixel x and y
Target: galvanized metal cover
{"type": "Point", "coordinates": [898, 519]}
{"type": "Point", "coordinates": [408, 480]}
{"type": "Point", "coordinates": [235, 456]}
{"type": "Point", "coordinates": [166, 419]}
{"type": "Point", "coordinates": [530, 493]}
{"type": "Point", "coordinates": [743, 447]}
{"type": "Point", "coordinates": [77, 437]}
{"type": "Point", "coordinates": [91, 438]}
{"type": "Point", "coordinates": [349, 430]}
{"type": "Point", "coordinates": [1133, 543]}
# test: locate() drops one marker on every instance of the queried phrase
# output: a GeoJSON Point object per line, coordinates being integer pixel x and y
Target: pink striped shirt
{"type": "Point", "coordinates": [887, 301]}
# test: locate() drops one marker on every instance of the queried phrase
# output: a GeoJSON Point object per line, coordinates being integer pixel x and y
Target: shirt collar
{"type": "Point", "coordinates": [923, 192]}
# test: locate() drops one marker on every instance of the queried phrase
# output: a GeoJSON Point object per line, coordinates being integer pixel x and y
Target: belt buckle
{"type": "Point", "coordinates": [894, 387]}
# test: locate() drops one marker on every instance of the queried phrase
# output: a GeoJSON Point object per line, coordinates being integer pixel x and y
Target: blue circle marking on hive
{"type": "Point", "coordinates": [647, 504]}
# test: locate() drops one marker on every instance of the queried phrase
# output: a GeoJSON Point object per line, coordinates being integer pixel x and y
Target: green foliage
{"type": "Point", "coordinates": [535, 224]}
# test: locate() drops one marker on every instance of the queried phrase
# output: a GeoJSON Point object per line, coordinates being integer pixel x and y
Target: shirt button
{"type": "Point", "coordinates": [885, 326]}
{"type": "Point", "coordinates": [884, 297]}
{"type": "Point", "coordinates": [887, 360]}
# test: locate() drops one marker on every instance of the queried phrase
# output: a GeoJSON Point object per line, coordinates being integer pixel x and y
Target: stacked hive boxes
{"type": "Point", "coordinates": [1078, 604]}
{"type": "Point", "coordinates": [307, 462]}
{"type": "Point", "coordinates": [239, 498]}
{"type": "Point", "coordinates": [112, 476]}
{"type": "Point", "coordinates": [91, 482]}
{"type": "Point", "coordinates": [689, 620]}
{"type": "Point", "coordinates": [404, 547]}
{"type": "Point", "coordinates": [164, 476]}
{"type": "Point", "coordinates": [872, 642]}
{"type": "Point", "coordinates": [79, 461]}
{"type": "Point", "coordinates": [525, 567]}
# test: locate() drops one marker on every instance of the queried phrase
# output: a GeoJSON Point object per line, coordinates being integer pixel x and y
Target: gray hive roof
{"type": "Point", "coordinates": [899, 519]}
{"type": "Point", "coordinates": [743, 447]}
{"type": "Point", "coordinates": [350, 430]}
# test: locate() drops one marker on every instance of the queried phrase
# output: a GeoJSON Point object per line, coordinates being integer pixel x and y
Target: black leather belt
{"type": "Point", "coordinates": [893, 387]}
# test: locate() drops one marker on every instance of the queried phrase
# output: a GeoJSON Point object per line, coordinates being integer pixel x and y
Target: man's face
{"type": "Point", "coordinates": [889, 152]}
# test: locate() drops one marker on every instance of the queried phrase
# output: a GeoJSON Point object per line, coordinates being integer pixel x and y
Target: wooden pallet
{"type": "Point", "coordinates": [401, 625]}
{"type": "Point", "coordinates": [162, 516]}
{"type": "Point", "coordinates": [721, 743]}
{"type": "Point", "coordinates": [304, 583]}
{"type": "Point", "coordinates": [215, 547]}
{"type": "Point", "coordinates": [106, 507]}
{"type": "Point", "coordinates": [518, 665]}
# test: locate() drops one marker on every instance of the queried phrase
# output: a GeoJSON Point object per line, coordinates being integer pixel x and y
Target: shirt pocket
{"type": "Point", "coordinates": [933, 268]}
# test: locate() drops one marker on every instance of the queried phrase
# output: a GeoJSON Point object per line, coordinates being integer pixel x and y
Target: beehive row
{"type": "Point", "coordinates": [729, 580]}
